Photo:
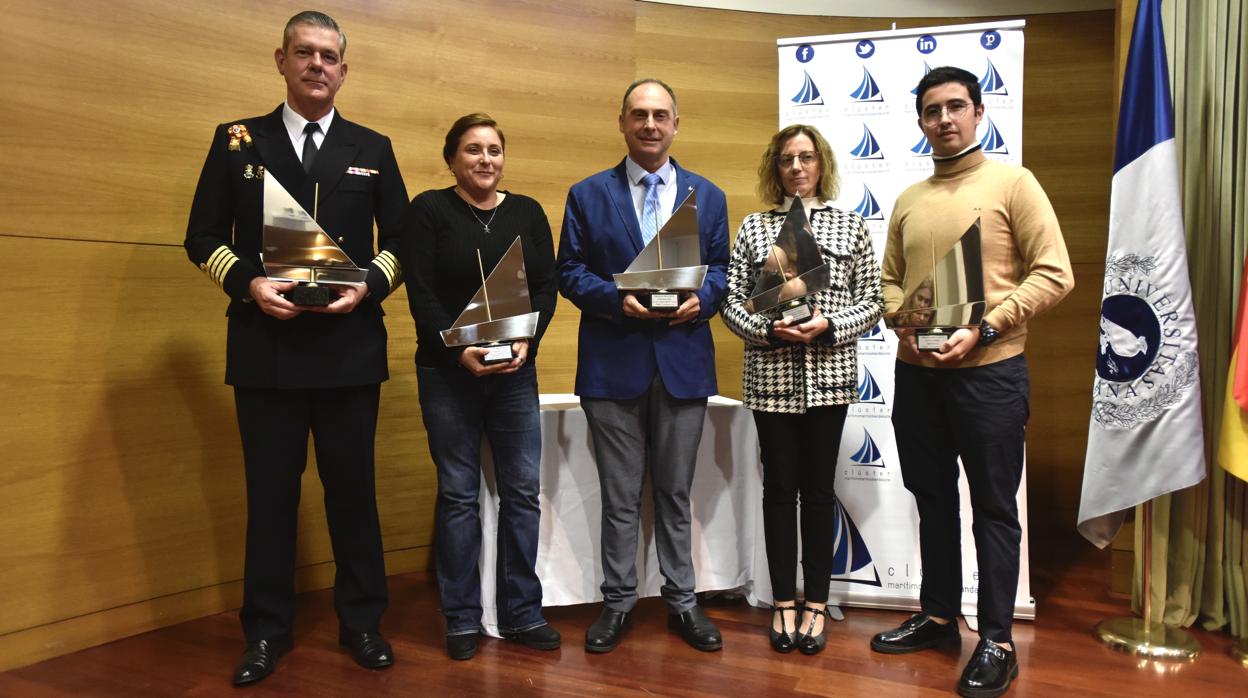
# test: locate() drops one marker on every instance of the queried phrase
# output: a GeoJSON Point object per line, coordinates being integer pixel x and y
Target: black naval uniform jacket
{"type": "Point", "coordinates": [359, 183]}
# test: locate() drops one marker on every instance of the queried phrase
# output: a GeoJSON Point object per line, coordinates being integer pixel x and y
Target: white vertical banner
{"type": "Point", "coordinates": [859, 91]}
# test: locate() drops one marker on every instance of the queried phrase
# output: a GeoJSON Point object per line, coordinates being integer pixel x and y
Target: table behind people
{"type": "Point", "coordinates": [726, 504]}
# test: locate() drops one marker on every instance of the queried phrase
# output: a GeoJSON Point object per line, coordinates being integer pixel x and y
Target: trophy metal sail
{"type": "Point", "coordinates": [949, 298]}
{"type": "Point", "coordinates": [793, 270]}
{"type": "Point", "coordinates": [670, 263]}
{"type": "Point", "coordinates": [499, 313]}
{"type": "Point", "coordinates": [295, 248]}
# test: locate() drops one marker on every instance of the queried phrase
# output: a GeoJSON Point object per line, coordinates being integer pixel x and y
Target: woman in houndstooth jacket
{"type": "Point", "coordinates": [801, 378]}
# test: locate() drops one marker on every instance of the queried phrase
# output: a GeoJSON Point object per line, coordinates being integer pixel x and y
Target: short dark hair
{"type": "Point", "coordinates": [646, 81]}
{"type": "Point", "coordinates": [942, 75]}
{"type": "Point", "coordinates": [462, 126]}
{"type": "Point", "coordinates": [316, 19]}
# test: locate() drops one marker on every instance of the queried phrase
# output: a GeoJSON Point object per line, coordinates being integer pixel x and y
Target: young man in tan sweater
{"type": "Point", "coordinates": [968, 397]}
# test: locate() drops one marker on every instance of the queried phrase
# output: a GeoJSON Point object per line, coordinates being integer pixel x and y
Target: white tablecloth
{"type": "Point", "coordinates": [727, 496]}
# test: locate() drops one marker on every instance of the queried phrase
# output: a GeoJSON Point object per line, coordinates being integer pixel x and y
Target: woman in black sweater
{"type": "Point", "coordinates": [461, 397]}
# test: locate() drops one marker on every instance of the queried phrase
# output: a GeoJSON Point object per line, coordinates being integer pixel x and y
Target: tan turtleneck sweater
{"type": "Point", "coordinates": [1026, 266]}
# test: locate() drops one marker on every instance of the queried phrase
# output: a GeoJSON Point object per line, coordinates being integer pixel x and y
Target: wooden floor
{"type": "Point", "coordinates": [1058, 655]}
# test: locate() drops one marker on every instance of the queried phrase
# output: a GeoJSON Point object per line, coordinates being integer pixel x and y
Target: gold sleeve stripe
{"type": "Point", "coordinates": [219, 264]}
{"type": "Point", "coordinates": [389, 265]}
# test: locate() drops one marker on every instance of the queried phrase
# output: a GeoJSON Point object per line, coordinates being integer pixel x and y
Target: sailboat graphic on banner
{"type": "Point", "coordinates": [991, 83]}
{"type": "Point", "coordinates": [851, 561]}
{"type": "Point", "coordinates": [868, 453]}
{"type": "Point", "coordinates": [868, 90]}
{"type": "Point", "coordinates": [500, 312]}
{"type": "Point", "coordinates": [809, 94]}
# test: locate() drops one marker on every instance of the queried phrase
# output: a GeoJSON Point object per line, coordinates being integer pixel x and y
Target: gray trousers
{"type": "Point", "coordinates": [658, 433]}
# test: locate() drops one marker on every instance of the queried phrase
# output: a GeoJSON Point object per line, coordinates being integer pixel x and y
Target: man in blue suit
{"type": "Point", "coordinates": [643, 376]}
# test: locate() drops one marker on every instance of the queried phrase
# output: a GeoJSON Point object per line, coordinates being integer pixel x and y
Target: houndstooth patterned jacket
{"type": "Point", "coordinates": [782, 376]}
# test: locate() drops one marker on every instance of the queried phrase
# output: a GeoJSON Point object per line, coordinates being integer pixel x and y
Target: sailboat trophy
{"type": "Point", "coordinates": [295, 248]}
{"type": "Point", "coordinates": [670, 263]}
{"type": "Point", "coordinates": [951, 296]}
{"type": "Point", "coordinates": [792, 272]}
{"type": "Point", "coordinates": [499, 313]}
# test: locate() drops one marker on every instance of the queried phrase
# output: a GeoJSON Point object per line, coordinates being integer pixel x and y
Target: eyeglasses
{"type": "Point", "coordinates": [933, 113]}
{"type": "Point", "coordinates": [807, 158]}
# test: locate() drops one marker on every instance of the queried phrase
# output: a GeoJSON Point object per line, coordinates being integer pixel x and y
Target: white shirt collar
{"type": "Point", "coordinates": [667, 172]}
{"type": "Point", "coordinates": [296, 123]}
{"type": "Point", "coordinates": [811, 203]}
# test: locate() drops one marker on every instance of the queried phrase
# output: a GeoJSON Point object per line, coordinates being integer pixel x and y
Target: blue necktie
{"type": "Point", "coordinates": [650, 209]}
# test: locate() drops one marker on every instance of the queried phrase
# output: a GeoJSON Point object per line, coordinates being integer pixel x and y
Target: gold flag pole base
{"type": "Point", "coordinates": [1134, 636]}
{"type": "Point", "coordinates": [1239, 651]}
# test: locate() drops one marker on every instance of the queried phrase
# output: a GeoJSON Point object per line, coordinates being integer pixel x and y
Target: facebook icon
{"type": "Point", "coordinates": [805, 52]}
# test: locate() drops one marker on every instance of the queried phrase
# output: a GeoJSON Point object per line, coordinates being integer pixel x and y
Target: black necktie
{"type": "Point", "coordinates": [309, 145]}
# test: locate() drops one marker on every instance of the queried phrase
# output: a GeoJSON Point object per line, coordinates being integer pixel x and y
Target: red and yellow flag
{"type": "Point", "coordinates": [1233, 446]}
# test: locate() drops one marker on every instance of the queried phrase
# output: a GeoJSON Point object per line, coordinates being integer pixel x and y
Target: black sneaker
{"type": "Point", "coordinates": [989, 672]}
{"type": "Point", "coordinates": [461, 646]}
{"type": "Point", "coordinates": [920, 632]}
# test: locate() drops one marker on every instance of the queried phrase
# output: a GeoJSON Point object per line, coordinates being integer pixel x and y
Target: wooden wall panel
{"type": "Point", "coordinates": [124, 477]}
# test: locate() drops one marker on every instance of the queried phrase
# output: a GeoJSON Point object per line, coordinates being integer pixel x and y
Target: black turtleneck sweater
{"type": "Point", "coordinates": [439, 256]}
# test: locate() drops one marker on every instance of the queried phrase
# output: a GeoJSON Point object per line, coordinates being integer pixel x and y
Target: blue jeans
{"type": "Point", "coordinates": [457, 408]}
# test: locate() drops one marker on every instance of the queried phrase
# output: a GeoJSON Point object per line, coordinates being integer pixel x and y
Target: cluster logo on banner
{"type": "Point", "coordinates": [859, 90]}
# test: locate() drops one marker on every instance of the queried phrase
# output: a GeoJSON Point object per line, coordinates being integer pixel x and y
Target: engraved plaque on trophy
{"type": "Point", "coordinates": [792, 271]}
{"type": "Point", "coordinates": [670, 263]}
{"type": "Point", "coordinates": [499, 313]}
{"type": "Point", "coordinates": [948, 298]}
{"type": "Point", "coordinates": [295, 248]}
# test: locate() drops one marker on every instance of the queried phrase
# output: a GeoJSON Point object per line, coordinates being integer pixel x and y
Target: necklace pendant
{"type": "Point", "coordinates": [487, 230]}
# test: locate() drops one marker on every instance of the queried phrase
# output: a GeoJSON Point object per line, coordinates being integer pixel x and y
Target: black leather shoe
{"type": "Point", "coordinates": [462, 646]}
{"type": "Point", "coordinates": [543, 637]}
{"type": "Point", "coordinates": [989, 672]}
{"type": "Point", "coordinates": [785, 640]}
{"type": "Point", "coordinates": [920, 632]}
{"type": "Point", "coordinates": [259, 660]}
{"type": "Point", "coordinates": [370, 650]}
{"type": "Point", "coordinates": [809, 643]}
{"type": "Point", "coordinates": [606, 632]}
{"type": "Point", "coordinates": [697, 629]}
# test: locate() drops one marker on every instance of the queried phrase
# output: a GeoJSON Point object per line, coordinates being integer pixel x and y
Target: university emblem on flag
{"type": "Point", "coordinates": [1141, 367]}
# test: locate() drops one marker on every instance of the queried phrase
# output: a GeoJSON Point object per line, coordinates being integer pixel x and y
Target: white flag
{"type": "Point", "coordinates": [1146, 437]}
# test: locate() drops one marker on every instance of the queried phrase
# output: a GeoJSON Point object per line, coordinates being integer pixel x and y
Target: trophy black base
{"type": "Point", "coordinates": [660, 301]}
{"type": "Point", "coordinates": [796, 312]}
{"type": "Point", "coordinates": [931, 339]}
{"type": "Point", "coordinates": [497, 354]}
{"type": "Point", "coordinates": [311, 295]}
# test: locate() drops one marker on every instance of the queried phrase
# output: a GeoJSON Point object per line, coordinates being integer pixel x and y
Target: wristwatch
{"type": "Point", "coordinates": [987, 334]}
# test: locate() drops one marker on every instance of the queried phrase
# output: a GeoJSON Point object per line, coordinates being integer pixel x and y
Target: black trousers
{"type": "Point", "coordinates": [274, 425]}
{"type": "Point", "coordinates": [980, 414]}
{"type": "Point", "coordinates": [799, 453]}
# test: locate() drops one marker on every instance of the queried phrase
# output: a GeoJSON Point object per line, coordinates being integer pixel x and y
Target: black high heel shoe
{"type": "Point", "coordinates": [785, 640]}
{"type": "Point", "coordinates": [814, 644]}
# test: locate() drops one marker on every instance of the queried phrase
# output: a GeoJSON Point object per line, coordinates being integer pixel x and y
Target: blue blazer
{"type": "Point", "coordinates": [617, 356]}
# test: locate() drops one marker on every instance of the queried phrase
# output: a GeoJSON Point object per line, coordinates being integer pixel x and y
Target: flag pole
{"type": "Point", "coordinates": [1148, 637]}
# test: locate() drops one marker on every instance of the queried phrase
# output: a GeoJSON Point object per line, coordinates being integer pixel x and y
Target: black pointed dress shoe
{"type": "Point", "coordinates": [920, 632]}
{"type": "Point", "coordinates": [606, 632]}
{"type": "Point", "coordinates": [259, 660]}
{"type": "Point", "coordinates": [810, 643]}
{"type": "Point", "coordinates": [697, 629]}
{"type": "Point", "coordinates": [370, 650]}
{"type": "Point", "coordinates": [462, 646]}
{"type": "Point", "coordinates": [989, 672]}
{"type": "Point", "coordinates": [783, 640]}
{"type": "Point", "coordinates": [543, 637]}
